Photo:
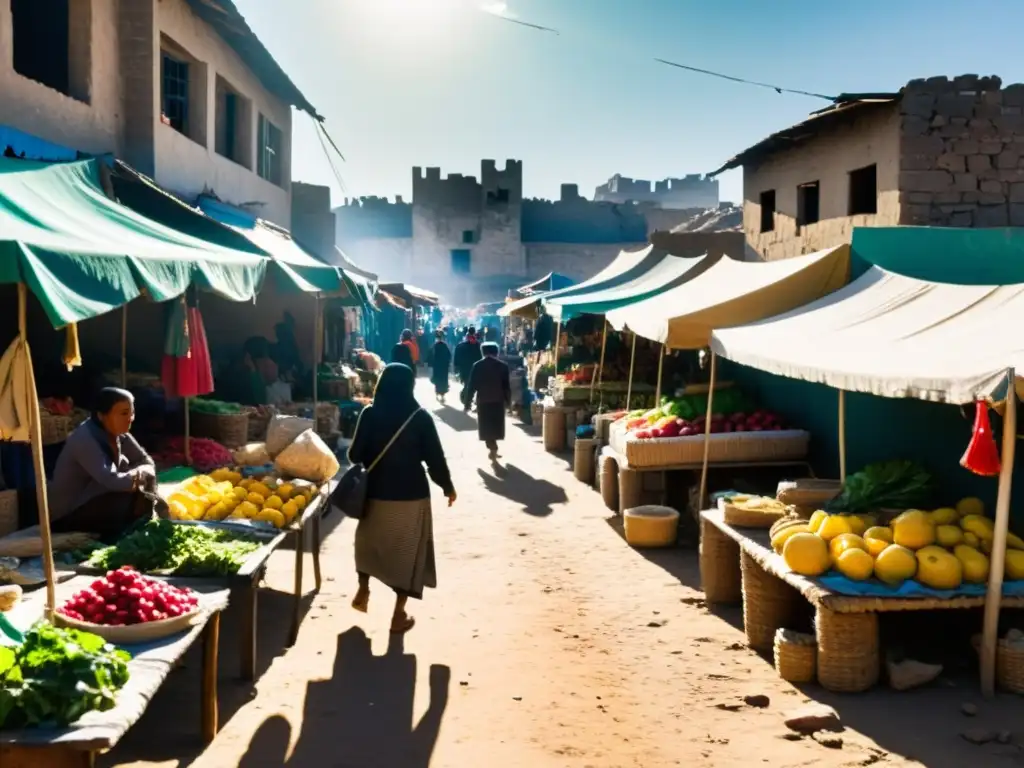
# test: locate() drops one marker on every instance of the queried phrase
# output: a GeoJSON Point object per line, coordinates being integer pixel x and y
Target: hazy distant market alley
{"type": "Point", "coordinates": [549, 642]}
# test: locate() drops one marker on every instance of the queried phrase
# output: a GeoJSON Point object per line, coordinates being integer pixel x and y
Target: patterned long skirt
{"type": "Point", "coordinates": [395, 545]}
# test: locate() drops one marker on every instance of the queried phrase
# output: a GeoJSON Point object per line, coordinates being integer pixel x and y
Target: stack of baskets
{"type": "Point", "coordinates": [583, 459]}
{"type": "Point", "coordinates": [56, 427]}
{"type": "Point", "coordinates": [796, 656]}
{"type": "Point", "coordinates": [1009, 661]}
{"type": "Point", "coordinates": [553, 428]}
{"type": "Point", "coordinates": [229, 429]}
{"type": "Point", "coordinates": [848, 654]}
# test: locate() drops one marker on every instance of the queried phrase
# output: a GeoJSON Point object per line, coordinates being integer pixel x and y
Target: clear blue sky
{"type": "Point", "coordinates": [441, 83]}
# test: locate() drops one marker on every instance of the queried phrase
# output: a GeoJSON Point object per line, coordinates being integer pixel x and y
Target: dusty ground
{"type": "Point", "coordinates": [549, 643]}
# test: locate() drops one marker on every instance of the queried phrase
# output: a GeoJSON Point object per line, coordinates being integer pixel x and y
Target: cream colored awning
{"type": "Point", "coordinates": [894, 336]}
{"type": "Point", "coordinates": [730, 293]}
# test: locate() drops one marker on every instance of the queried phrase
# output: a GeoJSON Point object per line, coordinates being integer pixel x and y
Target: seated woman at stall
{"type": "Point", "coordinates": [104, 480]}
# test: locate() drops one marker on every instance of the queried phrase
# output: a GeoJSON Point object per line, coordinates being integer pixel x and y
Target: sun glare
{"type": "Point", "coordinates": [411, 15]}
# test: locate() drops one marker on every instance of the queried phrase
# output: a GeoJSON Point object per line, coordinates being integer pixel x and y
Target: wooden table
{"type": "Point", "coordinates": [739, 564]}
{"type": "Point", "coordinates": [77, 745]}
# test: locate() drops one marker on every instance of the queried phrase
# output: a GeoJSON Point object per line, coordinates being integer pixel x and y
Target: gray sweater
{"type": "Point", "coordinates": [87, 468]}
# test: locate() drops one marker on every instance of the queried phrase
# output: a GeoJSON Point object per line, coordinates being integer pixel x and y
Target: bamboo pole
{"type": "Point", "coordinates": [316, 353]}
{"type": "Point", "coordinates": [661, 366]}
{"type": "Point", "coordinates": [842, 436]}
{"type": "Point", "coordinates": [994, 594]}
{"type": "Point", "coordinates": [629, 386]}
{"type": "Point", "coordinates": [38, 464]}
{"type": "Point", "coordinates": [558, 342]}
{"type": "Point", "coordinates": [188, 429]}
{"type": "Point", "coordinates": [600, 366]}
{"type": "Point", "coordinates": [124, 346]}
{"type": "Point", "coordinates": [707, 433]}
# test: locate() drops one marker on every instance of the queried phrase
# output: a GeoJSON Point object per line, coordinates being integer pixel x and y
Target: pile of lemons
{"type": "Point", "coordinates": [224, 494]}
{"type": "Point", "coordinates": [941, 549]}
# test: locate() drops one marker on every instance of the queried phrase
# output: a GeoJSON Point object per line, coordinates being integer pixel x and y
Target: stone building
{"type": "Point", "coordinates": [472, 240]}
{"type": "Point", "coordinates": [180, 89]}
{"type": "Point", "coordinates": [691, 191]}
{"type": "Point", "coordinates": [940, 152]}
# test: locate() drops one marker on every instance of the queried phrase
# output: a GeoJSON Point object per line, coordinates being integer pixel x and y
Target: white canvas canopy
{"type": "Point", "coordinates": [894, 336]}
{"type": "Point", "coordinates": [729, 293]}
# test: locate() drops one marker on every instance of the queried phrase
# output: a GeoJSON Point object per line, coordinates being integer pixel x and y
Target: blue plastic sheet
{"type": "Point", "coordinates": [911, 589]}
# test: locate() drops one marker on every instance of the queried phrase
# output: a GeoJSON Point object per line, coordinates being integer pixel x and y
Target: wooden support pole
{"type": "Point", "coordinates": [661, 366]}
{"type": "Point", "coordinates": [596, 378]}
{"type": "Point", "coordinates": [558, 341]}
{"type": "Point", "coordinates": [842, 436]}
{"type": "Point", "coordinates": [124, 346]}
{"type": "Point", "coordinates": [994, 595]}
{"type": "Point", "coordinates": [707, 434]}
{"type": "Point", "coordinates": [316, 353]}
{"type": "Point", "coordinates": [629, 386]}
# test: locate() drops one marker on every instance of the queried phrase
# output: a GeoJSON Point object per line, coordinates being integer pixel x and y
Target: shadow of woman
{"type": "Point", "coordinates": [537, 497]}
{"type": "Point", "coordinates": [362, 717]}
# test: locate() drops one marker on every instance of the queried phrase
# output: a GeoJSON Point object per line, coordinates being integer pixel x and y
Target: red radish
{"type": "Point", "coordinates": [125, 596]}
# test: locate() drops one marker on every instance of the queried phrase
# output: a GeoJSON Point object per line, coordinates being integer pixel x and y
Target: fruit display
{"type": "Point", "coordinates": [179, 550]}
{"type": "Point", "coordinates": [940, 549]}
{"type": "Point", "coordinates": [655, 424]}
{"type": "Point", "coordinates": [206, 454]}
{"type": "Point", "coordinates": [57, 675]}
{"type": "Point", "coordinates": [225, 494]}
{"type": "Point", "coordinates": [125, 596]}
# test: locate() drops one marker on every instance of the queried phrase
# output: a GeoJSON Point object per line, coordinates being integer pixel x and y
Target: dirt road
{"type": "Point", "coordinates": [549, 643]}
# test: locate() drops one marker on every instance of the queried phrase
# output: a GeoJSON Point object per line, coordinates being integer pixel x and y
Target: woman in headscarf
{"type": "Point", "coordinates": [441, 363]}
{"type": "Point", "coordinates": [104, 480]}
{"type": "Point", "coordinates": [395, 539]}
{"type": "Point", "coordinates": [405, 351]}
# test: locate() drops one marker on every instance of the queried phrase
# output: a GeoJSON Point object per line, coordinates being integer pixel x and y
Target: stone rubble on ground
{"type": "Point", "coordinates": [813, 718]}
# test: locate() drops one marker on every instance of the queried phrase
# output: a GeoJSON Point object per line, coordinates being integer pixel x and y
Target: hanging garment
{"type": "Point", "coordinates": [176, 337]}
{"type": "Point", "coordinates": [16, 387]}
{"type": "Point", "coordinates": [72, 357]}
{"type": "Point", "coordinates": [191, 374]}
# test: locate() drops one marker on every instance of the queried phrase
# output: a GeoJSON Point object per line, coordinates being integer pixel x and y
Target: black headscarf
{"type": "Point", "coordinates": [393, 399]}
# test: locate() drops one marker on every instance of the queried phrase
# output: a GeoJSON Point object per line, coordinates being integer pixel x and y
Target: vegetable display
{"type": "Point", "coordinates": [206, 454]}
{"type": "Point", "coordinates": [643, 428]}
{"type": "Point", "coordinates": [125, 596]}
{"type": "Point", "coordinates": [213, 407]}
{"type": "Point", "coordinates": [224, 494]}
{"type": "Point", "coordinates": [181, 550]}
{"type": "Point", "coordinates": [885, 485]}
{"type": "Point", "coordinates": [57, 675]}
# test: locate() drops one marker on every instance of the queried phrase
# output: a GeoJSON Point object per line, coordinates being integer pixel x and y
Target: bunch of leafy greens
{"type": "Point", "coordinates": [57, 675]}
{"type": "Point", "coordinates": [184, 550]}
{"type": "Point", "coordinates": [886, 485]}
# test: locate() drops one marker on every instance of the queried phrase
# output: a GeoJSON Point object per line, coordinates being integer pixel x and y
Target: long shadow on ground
{"type": "Point", "coordinates": [456, 418]}
{"type": "Point", "coordinates": [537, 497]}
{"type": "Point", "coordinates": [362, 716]}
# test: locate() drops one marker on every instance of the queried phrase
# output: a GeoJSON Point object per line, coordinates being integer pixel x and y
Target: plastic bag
{"type": "Point", "coordinates": [308, 458]}
{"type": "Point", "coordinates": [252, 455]}
{"type": "Point", "coordinates": [282, 430]}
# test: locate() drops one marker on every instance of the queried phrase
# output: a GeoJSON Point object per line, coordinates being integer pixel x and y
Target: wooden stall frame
{"type": "Point", "coordinates": [600, 366]}
{"type": "Point", "coordinates": [629, 385]}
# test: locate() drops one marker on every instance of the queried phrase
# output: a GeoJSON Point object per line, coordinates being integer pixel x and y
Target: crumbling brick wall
{"type": "Point", "coordinates": [962, 153]}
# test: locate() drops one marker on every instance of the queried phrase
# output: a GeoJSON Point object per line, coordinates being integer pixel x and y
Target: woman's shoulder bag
{"type": "Point", "coordinates": [350, 495]}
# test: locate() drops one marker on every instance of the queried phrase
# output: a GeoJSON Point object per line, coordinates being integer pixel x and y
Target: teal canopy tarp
{"type": "Point", "coordinates": [665, 273]}
{"type": "Point", "coordinates": [626, 266]}
{"type": "Point", "coordinates": [83, 254]}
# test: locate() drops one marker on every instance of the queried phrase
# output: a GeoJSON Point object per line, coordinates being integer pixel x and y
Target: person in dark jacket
{"type": "Point", "coordinates": [467, 353]}
{"type": "Point", "coordinates": [402, 352]}
{"type": "Point", "coordinates": [489, 382]}
{"type": "Point", "coordinates": [394, 539]}
{"type": "Point", "coordinates": [441, 363]}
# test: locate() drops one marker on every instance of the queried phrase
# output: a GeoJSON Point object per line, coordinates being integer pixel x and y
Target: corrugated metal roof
{"type": "Point", "coordinates": [226, 20]}
{"type": "Point", "coordinates": [846, 106]}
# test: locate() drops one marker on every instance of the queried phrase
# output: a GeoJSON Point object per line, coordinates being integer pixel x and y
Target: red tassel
{"type": "Point", "coordinates": [982, 455]}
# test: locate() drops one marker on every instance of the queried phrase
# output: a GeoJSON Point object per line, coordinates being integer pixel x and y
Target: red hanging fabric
{"type": "Point", "coordinates": [190, 375]}
{"type": "Point", "coordinates": [982, 454]}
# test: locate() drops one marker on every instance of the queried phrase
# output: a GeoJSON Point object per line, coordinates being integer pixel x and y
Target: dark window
{"type": "Point", "coordinates": [268, 151]}
{"type": "Point", "coordinates": [41, 36]}
{"type": "Point", "coordinates": [768, 210]}
{"type": "Point", "coordinates": [808, 198]}
{"type": "Point", "coordinates": [467, 235]}
{"type": "Point", "coordinates": [498, 196]}
{"type": "Point", "coordinates": [461, 261]}
{"type": "Point", "coordinates": [230, 124]}
{"type": "Point", "coordinates": [864, 190]}
{"type": "Point", "coordinates": [174, 92]}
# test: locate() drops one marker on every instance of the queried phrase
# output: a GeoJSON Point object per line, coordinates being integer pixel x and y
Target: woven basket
{"type": "Point", "coordinates": [554, 428]}
{"type": "Point", "coordinates": [8, 512]}
{"type": "Point", "coordinates": [786, 445]}
{"type": "Point", "coordinates": [769, 604]}
{"type": "Point", "coordinates": [258, 423]}
{"type": "Point", "coordinates": [848, 654]}
{"type": "Point", "coordinates": [583, 459]}
{"type": "Point", "coordinates": [1009, 664]}
{"type": "Point", "coordinates": [229, 429]}
{"type": "Point", "coordinates": [55, 428]}
{"type": "Point", "coordinates": [602, 425]}
{"type": "Point", "coordinates": [750, 518]}
{"type": "Point", "coordinates": [608, 477]}
{"type": "Point", "coordinates": [796, 656]}
{"type": "Point", "coordinates": [808, 492]}
{"type": "Point", "coordinates": [631, 489]}
{"type": "Point", "coordinates": [719, 565]}
{"type": "Point", "coordinates": [335, 389]}
{"type": "Point", "coordinates": [131, 634]}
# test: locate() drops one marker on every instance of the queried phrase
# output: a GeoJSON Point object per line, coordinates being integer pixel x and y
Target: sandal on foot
{"type": "Point", "coordinates": [407, 623]}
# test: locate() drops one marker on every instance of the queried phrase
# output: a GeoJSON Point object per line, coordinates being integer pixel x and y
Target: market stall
{"type": "Point", "coordinates": [723, 294]}
{"type": "Point", "coordinates": [896, 336]}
